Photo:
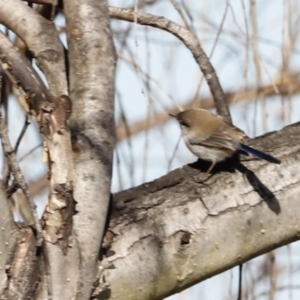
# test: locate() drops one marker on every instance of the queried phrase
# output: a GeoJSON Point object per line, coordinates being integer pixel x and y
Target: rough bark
{"type": "Point", "coordinates": [61, 260]}
{"type": "Point", "coordinates": [42, 40]}
{"type": "Point", "coordinates": [92, 62]}
{"type": "Point", "coordinates": [7, 237]}
{"type": "Point", "coordinates": [19, 265]}
{"type": "Point", "coordinates": [169, 234]}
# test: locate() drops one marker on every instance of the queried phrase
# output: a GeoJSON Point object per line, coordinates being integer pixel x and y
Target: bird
{"type": "Point", "coordinates": [211, 138]}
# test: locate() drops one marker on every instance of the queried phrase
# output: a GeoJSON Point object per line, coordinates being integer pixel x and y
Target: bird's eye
{"type": "Point", "coordinates": [184, 124]}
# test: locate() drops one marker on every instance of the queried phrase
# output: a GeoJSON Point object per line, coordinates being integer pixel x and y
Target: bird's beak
{"type": "Point", "coordinates": [172, 115]}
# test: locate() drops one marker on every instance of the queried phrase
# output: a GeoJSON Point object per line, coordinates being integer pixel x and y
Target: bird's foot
{"type": "Point", "coordinates": [199, 179]}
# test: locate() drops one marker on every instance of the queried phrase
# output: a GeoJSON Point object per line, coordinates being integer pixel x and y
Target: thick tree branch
{"type": "Point", "coordinates": [19, 266]}
{"type": "Point", "coordinates": [92, 61]}
{"type": "Point", "coordinates": [21, 73]}
{"type": "Point", "coordinates": [8, 237]}
{"type": "Point", "coordinates": [24, 269]}
{"type": "Point", "coordinates": [52, 113]}
{"type": "Point", "coordinates": [169, 234]}
{"type": "Point", "coordinates": [41, 39]}
{"type": "Point", "coordinates": [191, 42]}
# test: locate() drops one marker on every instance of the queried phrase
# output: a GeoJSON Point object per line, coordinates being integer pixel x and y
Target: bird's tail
{"type": "Point", "coordinates": [260, 154]}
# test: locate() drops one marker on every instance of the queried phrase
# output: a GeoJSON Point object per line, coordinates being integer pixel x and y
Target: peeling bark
{"type": "Point", "coordinates": [52, 114]}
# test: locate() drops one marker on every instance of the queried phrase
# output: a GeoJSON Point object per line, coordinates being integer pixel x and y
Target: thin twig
{"type": "Point", "coordinates": [185, 21]}
{"type": "Point", "coordinates": [240, 282]}
{"type": "Point", "coordinates": [26, 123]}
{"type": "Point", "coordinates": [158, 83]}
{"type": "Point", "coordinates": [30, 151]}
{"type": "Point", "coordinates": [212, 51]}
{"type": "Point", "coordinates": [287, 50]}
{"type": "Point", "coordinates": [188, 13]}
{"type": "Point", "coordinates": [131, 165]}
{"type": "Point", "coordinates": [14, 186]}
{"type": "Point", "coordinates": [219, 30]}
{"type": "Point", "coordinates": [257, 63]}
{"type": "Point", "coordinates": [173, 154]}
{"type": "Point", "coordinates": [18, 176]}
{"type": "Point", "coordinates": [138, 68]}
{"type": "Point", "coordinates": [190, 42]}
{"type": "Point", "coordinates": [246, 69]}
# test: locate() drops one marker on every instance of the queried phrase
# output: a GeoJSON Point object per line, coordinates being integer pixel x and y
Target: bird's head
{"type": "Point", "coordinates": [188, 118]}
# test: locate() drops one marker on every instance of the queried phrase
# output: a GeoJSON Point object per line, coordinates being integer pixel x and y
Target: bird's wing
{"type": "Point", "coordinates": [216, 141]}
{"type": "Point", "coordinates": [225, 136]}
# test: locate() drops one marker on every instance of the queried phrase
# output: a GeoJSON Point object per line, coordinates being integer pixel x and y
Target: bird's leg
{"type": "Point", "coordinates": [207, 172]}
{"type": "Point", "coordinates": [211, 167]}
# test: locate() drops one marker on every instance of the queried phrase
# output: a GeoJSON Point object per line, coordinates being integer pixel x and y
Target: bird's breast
{"type": "Point", "coordinates": [210, 153]}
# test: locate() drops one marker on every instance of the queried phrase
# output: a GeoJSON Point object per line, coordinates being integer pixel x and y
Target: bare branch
{"type": "Point", "coordinates": [18, 176]}
{"type": "Point", "coordinates": [42, 40]}
{"type": "Point", "coordinates": [30, 151]}
{"type": "Point", "coordinates": [257, 62]}
{"type": "Point", "coordinates": [191, 43]}
{"type": "Point", "coordinates": [185, 21]}
{"type": "Point", "coordinates": [26, 123]}
{"type": "Point", "coordinates": [22, 74]}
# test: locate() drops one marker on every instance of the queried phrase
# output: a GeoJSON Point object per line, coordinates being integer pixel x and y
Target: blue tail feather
{"type": "Point", "coordinates": [260, 154]}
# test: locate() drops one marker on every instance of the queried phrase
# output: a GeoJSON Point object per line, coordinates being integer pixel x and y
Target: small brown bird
{"type": "Point", "coordinates": [210, 138]}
